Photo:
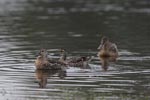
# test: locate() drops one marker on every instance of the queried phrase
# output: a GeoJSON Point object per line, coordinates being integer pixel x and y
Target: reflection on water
{"type": "Point", "coordinates": [76, 25]}
{"type": "Point", "coordinates": [43, 75]}
{"type": "Point", "coordinates": [105, 62]}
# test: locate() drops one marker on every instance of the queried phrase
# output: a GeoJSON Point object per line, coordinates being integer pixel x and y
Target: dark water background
{"type": "Point", "coordinates": [76, 25]}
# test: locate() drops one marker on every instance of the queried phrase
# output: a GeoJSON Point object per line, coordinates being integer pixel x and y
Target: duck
{"type": "Point", "coordinates": [81, 62]}
{"type": "Point", "coordinates": [43, 62]}
{"type": "Point", "coordinates": [107, 48]}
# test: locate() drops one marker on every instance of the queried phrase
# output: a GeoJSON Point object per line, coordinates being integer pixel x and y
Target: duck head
{"type": "Point", "coordinates": [63, 54]}
{"type": "Point", "coordinates": [103, 41]}
{"type": "Point", "coordinates": [43, 53]}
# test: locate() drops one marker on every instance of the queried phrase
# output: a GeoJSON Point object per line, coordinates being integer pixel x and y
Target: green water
{"type": "Point", "coordinates": [76, 25]}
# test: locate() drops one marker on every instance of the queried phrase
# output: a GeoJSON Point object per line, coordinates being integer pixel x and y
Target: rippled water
{"type": "Point", "coordinates": [76, 25]}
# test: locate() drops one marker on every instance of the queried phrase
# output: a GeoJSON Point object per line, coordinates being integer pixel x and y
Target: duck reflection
{"type": "Point", "coordinates": [105, 62]}
{"type": "Point", "coordinates": [43, 75]}
{"type": "Point", "coordinates": [108, 52]}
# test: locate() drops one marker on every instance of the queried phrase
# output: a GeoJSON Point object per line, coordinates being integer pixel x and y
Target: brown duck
{"type": "Point", "coordinates": [43, 62]}
{"type": "Point", "coordinates": [107, 48]}
{"type": "Point", "coordinates": [81, 62]}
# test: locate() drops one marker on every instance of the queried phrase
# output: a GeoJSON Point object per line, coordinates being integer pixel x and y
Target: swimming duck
{"type": "Point", "coordinates": [107, 48]}
{"type": "Point", "coordinates": [81, 62]}
{"type": "Point", "coordinates": [43, 62]}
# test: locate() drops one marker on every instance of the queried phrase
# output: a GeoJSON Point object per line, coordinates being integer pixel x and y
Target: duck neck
{"type": "Point", "coordinates": [44, 57]}
{"type": "Point", "coordinates": [63, 57]}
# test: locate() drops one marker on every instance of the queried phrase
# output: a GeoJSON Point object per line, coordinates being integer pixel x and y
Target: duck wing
{"type": "Point", "coordinates": [113, 47]}
{"type": "Point", "coordinates": [81, 62]}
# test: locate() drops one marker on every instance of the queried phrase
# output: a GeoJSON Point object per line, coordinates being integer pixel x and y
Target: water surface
{"type": "Point", "coordinates": [28, 25]}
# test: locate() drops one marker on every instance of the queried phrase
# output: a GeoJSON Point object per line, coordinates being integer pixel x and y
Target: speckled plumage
{"type": "Point", "coordinates": [81, 62]}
